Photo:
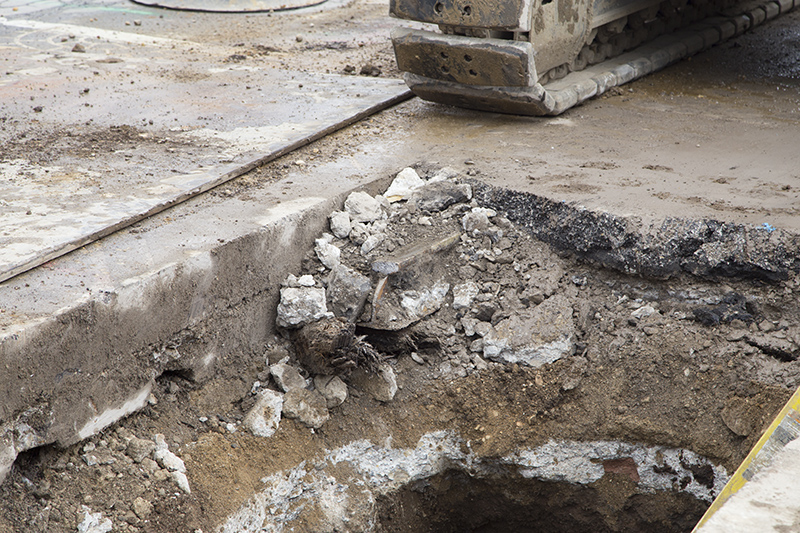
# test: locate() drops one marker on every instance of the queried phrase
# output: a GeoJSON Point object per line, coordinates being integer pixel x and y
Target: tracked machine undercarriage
{"type": "Point", "coordinates": [541, 57]}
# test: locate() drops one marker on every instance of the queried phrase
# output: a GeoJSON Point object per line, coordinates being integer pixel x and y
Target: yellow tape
{"type": "Point", "coordinates": [761, 454]}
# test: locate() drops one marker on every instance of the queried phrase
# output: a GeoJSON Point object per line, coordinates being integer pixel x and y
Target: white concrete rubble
{"type": "Point", "coordinates": [421, 303]}
{"type": "Point", "coordinates": [362, 207]}
{"type": "Point", "coordinates": [299, 306]}
{"type": "Point", "coordinates": [340, 224]}
{"type": "Point", "coordinates": [327, 253]}
{"type": "Point", "coordinates": [93, 522]}
{"type": "Point", "coordinates": [403, 185]}
{"type": "Point", "coordinates": [381, 469]}
{"type": "Point", "coordinates": [332, 388]}
{"type": "Point", "coordinates": [533, 338]}
{"type": "Point", "coordinates": [263, 419]}
{"type": "Point", "coordinates": [287, 377]}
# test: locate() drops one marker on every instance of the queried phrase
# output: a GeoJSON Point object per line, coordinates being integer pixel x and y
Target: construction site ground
{"type": "Point", "coordinates": [692, 352]}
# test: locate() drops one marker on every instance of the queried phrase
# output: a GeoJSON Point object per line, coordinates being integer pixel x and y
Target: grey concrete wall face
{"type": "Point", "coordinates": [71, 375]}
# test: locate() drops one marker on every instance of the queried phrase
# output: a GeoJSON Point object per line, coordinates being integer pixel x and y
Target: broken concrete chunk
{"type": "Point", "coordinates": [783, 349]}
{"type": "Point", "coordinates": [306, 281]}
{"type": "Point", "coordinates": [327, 253]}
{"type": "Point", "coordinates": [287, 377]}
{"type": "Point", "coordinates": [142, 508]}
{"type": "Point", "coordinates": [93, 522]}
{"type": "Point", "coordinates": [332, 388]}
{"type": "Point", "coordinates": [299, 306]}
{"type": "Point", "coordinates": [421, 303]}
{"type": "Point", "coordinates": [348, 291]}
{"type": "Point", "coordinates": [359, 233]}
{"type": "Point", "coordinates": [440, 195]}
{"type": "Point", "coordinates": [643, 312]}
{"type": "Point", "coordinates": [737, 417]}
{"type": "Point", "coordinates": [181, 481]}
{"type": "Point", "coordinates": [264, 417]}
{"type": "Point", "coordinates": [340, 224]}
{"type": "Point", "coordinates": [536, 338]}
{"type": "Point", "coordinates": [464, 294]}
{"type": "Point", "coordinates": [381, 386]}
{"type": "Point", "coordinates": [372, 242]}
{"type": "Point", "coordinates": [362, 207]}
{"type": "Point", "coordinates": [469, 325]}
{"type": "Point", "coordinates": [403, 185]}
{"type": "Point", "coordinates": [170, 461]}
{"type": "Point", "coordinates": [308, 407]}
{"type": "Point", "coordinates": [476, 222]}
{"type": "Point", "coordinates": [483, 328]}
{"type": "Point", "coordinates": [444, 173]}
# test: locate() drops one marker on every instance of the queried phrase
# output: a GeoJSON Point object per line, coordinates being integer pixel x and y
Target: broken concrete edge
{"type": "Point", "coordinates": [70, 375]}
{"type": "Point", "coordinates": [380, 470]}
{"type": "Point", "coordinates": [705, 248]}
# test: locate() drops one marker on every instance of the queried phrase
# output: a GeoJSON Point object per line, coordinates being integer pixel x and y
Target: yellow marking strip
{"type": "Point", "coordinates": [737, 481]}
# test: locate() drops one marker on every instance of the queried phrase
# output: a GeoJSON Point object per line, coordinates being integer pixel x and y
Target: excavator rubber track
{"type": "Point", "coordinates": [542, 57]}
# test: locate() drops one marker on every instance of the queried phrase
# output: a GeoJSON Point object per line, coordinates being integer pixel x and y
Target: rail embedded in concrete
{"type": "Point", "coordinates": [186, 144]}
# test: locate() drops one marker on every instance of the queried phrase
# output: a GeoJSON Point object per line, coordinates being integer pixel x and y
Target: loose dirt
{"type": "Point", "coordinates": [700, 364]}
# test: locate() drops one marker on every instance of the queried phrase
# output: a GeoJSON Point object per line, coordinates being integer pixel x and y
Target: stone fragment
{"type": "Point", "coordinates": [440, 195]}
{"type": "Point", "coordinates": [359, 233]}
{"type": "Point", "coordinates": [348, 291]}
{"type": "Point", "coordinates": [535, 338]}
{"type": "Point", "coordinates": [332, 388]}
{"type": "Point", "coordinates": [421, 303]}
{"type": "Point", "coordinates": [181, 481]}
{"type": "Point", "coordinates": [464, 294]}
{"type": "Point", "coordinates": [737, 417]}
{"type": "Point", "coordinates": [138, 449]}
{"type": "Point", "coordinates": [444, 173]}
{"type": "Point", "coordinates": [142, 508]}
{"type": "Point", "coordinates": [328, 254]}
{"type": "Point", "coordinates": [469, 325]}
{"type": "Point", "coordinates": [149, 466]}
{"type": "Point", "coordinates": [403, 185]}
{"type": "Point", "coordinates": [483, 328]}
{"type": "Point", "coordinates": [362, 207]}
{"type": "Point", "coordinates": [372, 242]}
{"type": "Point", "coordinates": [417, 359]}
{"type": "Point", "coordinates": [309, 407]}
{"type": "Point", "coordinates": [643, 312]}
{"type": "Point", "coordinates": [264, 417]}
{"type": "Point", "coordinates": [299, 306]}
{"type": "Point", "coordinates": [93, 522]}
{"type": "Point", "coordinates": [99, 456]}
{"type": "Point", "coordinates": [306, 281]}
{"type": "Point", "coordinates": [165, 458]}
{"type": "Point", "coordinates": [340, 224]}
{"type": "Point", "coordinates": [381, 385]}
{"type": "Point", "coordinates": [287, 377]}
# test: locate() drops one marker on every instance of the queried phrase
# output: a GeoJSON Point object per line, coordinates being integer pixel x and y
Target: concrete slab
{"type": "Point", "coordinates": [128, 124]}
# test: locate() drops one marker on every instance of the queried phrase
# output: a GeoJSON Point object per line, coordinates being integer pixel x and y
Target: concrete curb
{"type": "Point", "coordinates": [73, 372]}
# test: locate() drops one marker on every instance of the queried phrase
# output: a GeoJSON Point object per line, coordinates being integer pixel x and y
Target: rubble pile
{"type": "Point", "coordinates": [421, 270]}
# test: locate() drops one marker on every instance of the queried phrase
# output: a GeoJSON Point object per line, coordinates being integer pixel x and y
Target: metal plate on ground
{"type": "Point", "coordinates": [100, 128]}
{"type": "Point", "coordinates": [231, 6]}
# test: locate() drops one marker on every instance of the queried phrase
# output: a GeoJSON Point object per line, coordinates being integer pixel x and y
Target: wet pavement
{"type": "Point", "coordinates": [104, 127]}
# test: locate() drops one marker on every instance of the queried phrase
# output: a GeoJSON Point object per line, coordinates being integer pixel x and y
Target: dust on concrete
{"type": "Point", "coordinates": [645, 369]}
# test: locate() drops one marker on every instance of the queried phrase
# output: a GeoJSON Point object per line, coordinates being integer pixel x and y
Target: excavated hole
{"type": "Point", "coordinates": [456, 502]}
